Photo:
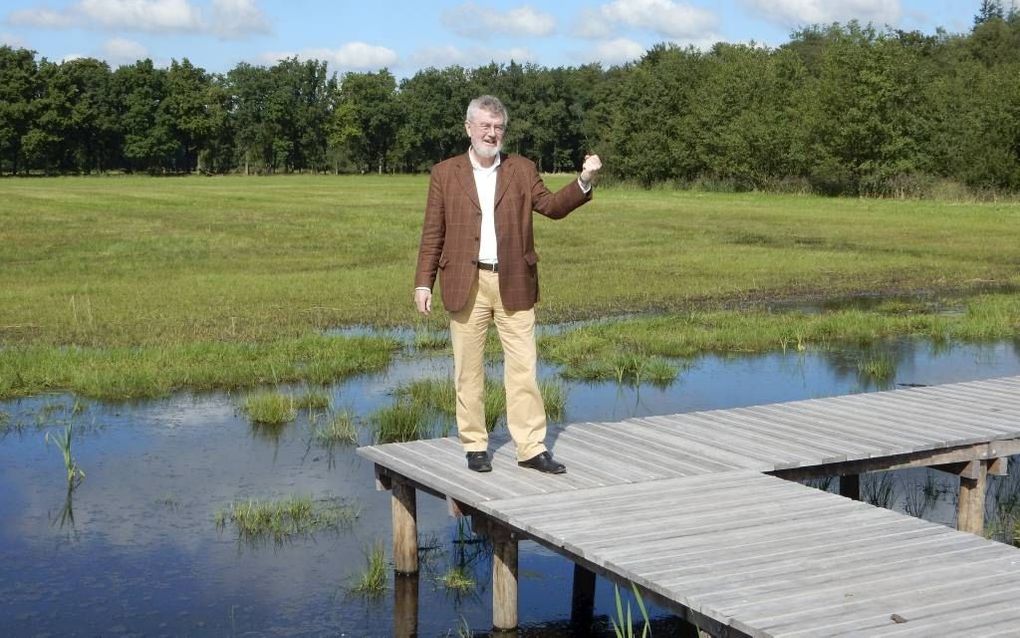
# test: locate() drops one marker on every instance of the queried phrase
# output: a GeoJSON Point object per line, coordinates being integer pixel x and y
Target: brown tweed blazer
{"type": "Point", "coordinates": [451, 233]}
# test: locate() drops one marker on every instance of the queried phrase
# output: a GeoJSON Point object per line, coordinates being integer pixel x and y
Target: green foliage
{"type": "Point", "coordinates": [838, 109]}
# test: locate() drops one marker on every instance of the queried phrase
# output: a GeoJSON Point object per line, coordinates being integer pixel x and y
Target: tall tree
{"type": "Point", "coordinates": [18, 86]}
{"type": "Point", "coordinates": [366, 118]}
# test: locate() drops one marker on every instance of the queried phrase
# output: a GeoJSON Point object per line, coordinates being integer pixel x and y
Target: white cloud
{"type": "Point", "coordinates": [592, 24]}
{"type": "Point", "coordinates": [444, 56]}
{"type": "Point", "coordinates": [616, 51]}
{"type": "Point", "coordinates": [225, 18]}
{"type": "Point", "coordinates": [118, 51]}
{"type": "Point", "coordinates": [70, 57]}
{"type": "Point", "coordinates": [354, 56]}
{"type": "Point", "coordinates": [41, 18]}
{"type": "Point", "coordinates": [473, 21]}
{"type": "Point", "coordinates": [237, 18]}
{"type": "Point", "coordinates": [141, 15]}
{"type": "Point", "coordinates": [791, 13]}
{"type": "Point", "coordinates": [664, 17]}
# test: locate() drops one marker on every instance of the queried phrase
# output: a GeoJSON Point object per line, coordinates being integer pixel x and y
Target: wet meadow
{"type": "Point", "coordinates": [188, 364]}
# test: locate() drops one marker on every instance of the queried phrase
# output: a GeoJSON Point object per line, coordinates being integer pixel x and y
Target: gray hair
{"type": "Point", "coordinates": [490, 104]}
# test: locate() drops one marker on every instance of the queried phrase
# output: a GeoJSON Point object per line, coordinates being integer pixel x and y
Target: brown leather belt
{"type": "Point", "coordinates": [490, 267]}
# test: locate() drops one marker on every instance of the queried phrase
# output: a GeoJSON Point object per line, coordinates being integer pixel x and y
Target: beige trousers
{"type": "Point", "coordinates": [525, 411]}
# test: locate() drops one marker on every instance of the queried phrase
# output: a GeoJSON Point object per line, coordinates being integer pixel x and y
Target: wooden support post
{"type": "Point", "coordinates": [582, 601]}
{"type": "Point", "coordinates": [850, 486]}
{"type": "Point", "coordinates": [504, 578]}
{"type": "Point", "coordinates": [405, 605]}
{"type": "Point", "coordinates": [971, 507]}
{"type": "Point", "coordinates": [998, 466]}
{"type": "Point", "coordinates": [405, 527]}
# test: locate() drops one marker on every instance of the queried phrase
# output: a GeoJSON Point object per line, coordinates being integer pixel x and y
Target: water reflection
{"type": "Point", "coordinates": [152, 561]}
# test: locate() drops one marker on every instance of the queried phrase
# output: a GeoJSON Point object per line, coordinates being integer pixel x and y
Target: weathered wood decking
{"type": "Point", "coordinates": [684, 506]}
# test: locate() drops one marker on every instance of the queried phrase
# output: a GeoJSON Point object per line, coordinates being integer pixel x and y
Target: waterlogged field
{"type": "Point", "coordinates": [188, 364]}
{"type": "Point", "coordinates": [129, 286]}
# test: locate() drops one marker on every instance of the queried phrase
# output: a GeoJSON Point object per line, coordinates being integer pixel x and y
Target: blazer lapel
{"type": "Point", "coordinates": [504, 175]}
{"type": "Point", "coordinates": [466, 177]}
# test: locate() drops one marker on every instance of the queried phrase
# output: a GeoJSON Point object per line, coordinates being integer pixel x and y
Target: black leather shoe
{"type": "Point", "coordinates": [544, 462]}
{"type": "Point", "coordinates": [479, 461]}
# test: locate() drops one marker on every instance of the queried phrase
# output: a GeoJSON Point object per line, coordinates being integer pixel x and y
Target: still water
{"type": "Point", "coordinates": [136, 551]}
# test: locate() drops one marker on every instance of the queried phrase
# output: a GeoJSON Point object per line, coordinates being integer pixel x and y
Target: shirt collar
{"type": "Point", "coordinates": [478, 167]}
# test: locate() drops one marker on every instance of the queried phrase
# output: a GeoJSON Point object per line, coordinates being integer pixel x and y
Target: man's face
{"type": "Point", "coordinates": [486, 133]}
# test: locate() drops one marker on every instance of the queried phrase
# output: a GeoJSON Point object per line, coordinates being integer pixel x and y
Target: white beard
{"type": "Point", "coordinates": [487, 151]}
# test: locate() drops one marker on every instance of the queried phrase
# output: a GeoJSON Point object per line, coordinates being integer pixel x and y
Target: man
{"type": "Point", "coordinates": [478, 236]}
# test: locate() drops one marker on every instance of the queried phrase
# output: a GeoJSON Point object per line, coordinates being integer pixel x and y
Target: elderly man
{"type": "Point", "coordinates": [478, 236]}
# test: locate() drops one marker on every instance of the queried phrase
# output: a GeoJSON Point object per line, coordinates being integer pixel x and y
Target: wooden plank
{"type": "Point", "coordinates": [874, 617]}
{"type": "Point", "coordinates": [694, 429]}
{"type": "Point", "coordinates": [631, 444]}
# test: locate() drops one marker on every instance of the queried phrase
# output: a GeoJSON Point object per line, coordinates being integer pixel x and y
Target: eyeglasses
{"type": "Point", "coordinates": [498, 129]}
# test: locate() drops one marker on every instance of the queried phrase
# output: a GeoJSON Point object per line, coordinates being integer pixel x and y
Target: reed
{"type": "Point", "coordinates": [75, 475]}
{"type": "Point", "coordinates": [879, 489]}
{"type": "Point", "coordinates": [623, 625]}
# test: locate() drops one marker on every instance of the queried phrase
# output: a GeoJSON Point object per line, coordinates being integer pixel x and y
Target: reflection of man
{"type": "Point", "coordinates": [478, 236]}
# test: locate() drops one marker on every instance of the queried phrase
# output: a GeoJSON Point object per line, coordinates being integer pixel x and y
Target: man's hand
{"type": "Point", "coordinates": [423, 300]}
{"type": "Point", "coordinates": [592, 165]}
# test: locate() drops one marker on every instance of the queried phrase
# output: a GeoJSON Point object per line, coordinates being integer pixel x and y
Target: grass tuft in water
{"type": "Point", "coordinates": [402, 421]}
{"type": "Point", "coordinates": [920, 499]}
{"type": "Point", "coordinates": [312, 400]}
{"type": "Point", "coordinates": [457, 579]}
{"type": "Point", "coordinates": [270, 408]}
{"type": "Point", "coordinates": [339, 429]}
{"type": "Point", "coordinates": [372, 581]}
{"type": "Point", "coordinates": [879, 368]}
{"type": "Point", "coordinates": [75, 475]}
{"type": "Point", "coordinates": [282, 520]}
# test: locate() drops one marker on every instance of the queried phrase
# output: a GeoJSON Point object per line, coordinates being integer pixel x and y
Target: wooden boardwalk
{"type": "Point", "coordinates": [694, 510]}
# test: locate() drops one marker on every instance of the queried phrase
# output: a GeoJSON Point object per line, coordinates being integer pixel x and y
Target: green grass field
{"type": "Point", "coordinates": [229, 272]}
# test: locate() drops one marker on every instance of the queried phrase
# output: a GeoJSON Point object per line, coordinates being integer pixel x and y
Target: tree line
{"type": "Point", "coordinates": [839, 109]}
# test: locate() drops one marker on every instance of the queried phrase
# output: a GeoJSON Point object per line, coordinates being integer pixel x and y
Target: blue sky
{"type": "Point", "coordinates": [407, 36]}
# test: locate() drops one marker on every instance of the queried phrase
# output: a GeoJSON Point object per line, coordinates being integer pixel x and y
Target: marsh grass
{"type": "Point", "coordinates": [137, 287]}
{"type": "Point", "coordinates": [270, 408]}
{"type": "Point", "coordinates": [339, 429]}
{"type": "Point", "coordinates": [620, 350]}
{"type": "Point", "coordinates": [458, 578]}
{"type": "Point", "coordinates": [312, 400]}
{"type": "Point", "coordinates": [115, 373]}
{"type": "Point", "coordinates": [63, 442]}
{"type": "Point", "coordinates": [282, 520]}
{"type": "Point", "coordinates": [372, 581]}
{"type": "Point", "coordinates": [402, 421]}
{"type": "Point", "coordinates": [880, 368]}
